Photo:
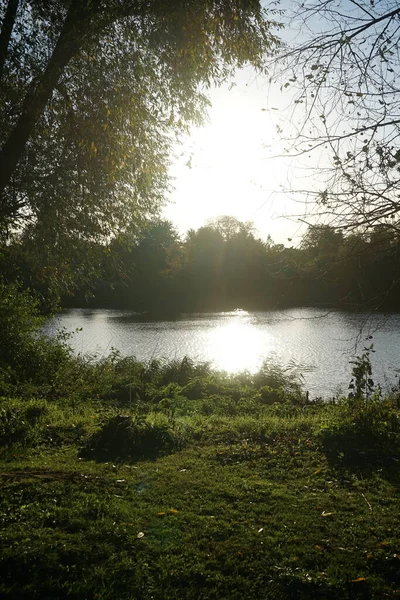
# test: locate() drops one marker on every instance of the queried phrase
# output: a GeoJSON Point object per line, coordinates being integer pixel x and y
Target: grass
{"type": "Point", "coordinates": [171, 481]}
{"type": "Point", "coordinates": [159, 481]}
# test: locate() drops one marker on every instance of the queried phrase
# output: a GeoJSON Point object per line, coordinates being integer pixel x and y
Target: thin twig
{"type": "Point", "coordinates": [369, 505]}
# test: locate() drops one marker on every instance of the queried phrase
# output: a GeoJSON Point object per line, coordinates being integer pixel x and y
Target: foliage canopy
{"type": "Point", "coordinates": [93, 96]}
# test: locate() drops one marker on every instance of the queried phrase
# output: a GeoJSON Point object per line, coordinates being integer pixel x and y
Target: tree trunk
{"type": "Point", "coordinates": [6, 30]}
{"type": "Point", "coordinates": [71, 37]}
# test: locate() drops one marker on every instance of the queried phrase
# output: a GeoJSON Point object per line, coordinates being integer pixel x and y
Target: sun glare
{"type": "Point", "coordinates": [222, 168]}
{"type": "Point", "coordinates": [238, 345]}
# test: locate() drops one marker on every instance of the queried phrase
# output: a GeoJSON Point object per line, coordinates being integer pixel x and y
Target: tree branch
{"type": "Point", "coordinates": [40, 91]}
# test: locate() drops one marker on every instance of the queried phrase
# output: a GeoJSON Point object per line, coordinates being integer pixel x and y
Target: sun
{"type": "Point", "coordinates": [222, 168]}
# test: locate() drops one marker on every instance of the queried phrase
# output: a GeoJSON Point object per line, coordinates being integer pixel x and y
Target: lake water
{"type": "Point", "coordinates": [319, 344]}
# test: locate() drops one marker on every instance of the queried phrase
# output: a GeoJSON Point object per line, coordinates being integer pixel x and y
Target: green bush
{"type": "Point", "coordinates": [276, 377]}
{"type": "Point", "coordinates": [361, 384]}
{"type": "Point", "coordinates": [19, 323]}
{"type": "Point", "coordinates": [26, 357]}
{"type": "Point", "coordinates": [19, 424]}
{"type": "Point", "coordinates": [202, 387]}
{"type": "Point", "coordinates": [123, 437]}
{"type": "Point", "coordinates": [175, 371]}
{"type": "Point", "coordinates": [269, 395]}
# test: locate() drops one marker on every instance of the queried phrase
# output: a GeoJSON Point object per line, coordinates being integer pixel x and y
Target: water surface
{"type": "Point", "coordinates": [317, 342]}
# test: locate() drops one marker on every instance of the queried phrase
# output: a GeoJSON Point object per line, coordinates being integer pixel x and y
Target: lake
{"type": "Point", "coordinates": [317, 343]}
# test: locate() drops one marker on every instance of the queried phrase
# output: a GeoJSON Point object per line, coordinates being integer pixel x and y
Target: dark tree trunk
{"type": "Point", "coordinates": [6, 31]}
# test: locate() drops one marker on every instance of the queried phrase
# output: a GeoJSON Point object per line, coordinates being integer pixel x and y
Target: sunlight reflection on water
{"type": "Point", "coordinates": [239, 345]}
{"type": "Point", "coordinates": [319, 342]}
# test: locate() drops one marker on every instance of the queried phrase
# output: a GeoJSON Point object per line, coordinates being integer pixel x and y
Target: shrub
{"type": "Point", "coordinates": [19, 424]}
{"type": "Point", "coordinates": [362, 384]}
{"type": "Point", "coordinates": [269, 395]}
{"type": "Point", "coordinates": [19, 323]}
{"type": "Point", "coordinates": [200, 387]}
{"type": "Point", "coordinates": [25, 355]}
{"type": "Point", "coordinates": [276, 377]}
{"type": "Point", "coordinates": [176, 371]}
{"type": "Point", "coordinates": [123, 437]}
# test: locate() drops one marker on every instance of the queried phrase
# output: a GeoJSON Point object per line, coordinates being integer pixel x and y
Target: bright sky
{"type": "Point", "coordinates": [224, 169]}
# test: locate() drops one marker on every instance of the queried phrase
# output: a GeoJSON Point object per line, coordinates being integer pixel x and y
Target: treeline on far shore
{"type": "Point", "coordinates": [223, 265]}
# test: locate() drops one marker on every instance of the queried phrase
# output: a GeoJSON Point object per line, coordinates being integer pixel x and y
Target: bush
{"type": "Point", "coordinates": [269, 395]}
{"type": "Point", "coordinates": [202, 387]}
{"type": "Point", "coordinates": [19, 323]}
{"type": "Point", "coordinates": [124, 438]}
{"type": "Point", "coordinates": [25, 355]}
{"type": "Point", "coordinates": [175, 371]}
{"type": "Point", "coordinates": [364, 435]}
{"type": "Point", "coordinates": [19, 425]}
{"type": "Point", "coordinates": [276, 377]}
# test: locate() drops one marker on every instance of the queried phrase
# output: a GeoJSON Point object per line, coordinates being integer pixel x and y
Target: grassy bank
{"type": "Point", "coordinates": [132, 481]}
{"type": "Point", "coordinates": [121, 480]}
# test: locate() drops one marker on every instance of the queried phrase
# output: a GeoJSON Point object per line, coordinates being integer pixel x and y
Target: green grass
{"type": "Point", "coordinates": [128, 481]}
{"type": "Point", "coordinates": [245, 500]}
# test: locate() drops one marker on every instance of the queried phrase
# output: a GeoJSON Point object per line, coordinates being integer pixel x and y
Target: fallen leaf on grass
{"type": "Point", "coordinates": [163, 513]}
{"type": "Point", "coordinates": [326, 514]}
{"type": "Point", "coordinates": [140, 535]}
{"type": "Point", "coordinates": [358, 579]}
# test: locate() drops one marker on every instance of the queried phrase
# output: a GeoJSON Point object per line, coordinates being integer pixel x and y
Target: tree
{"type": "Point", "coordinates": [150, 284]}
{"type": "Point", "coordinates": [344, 77]}
{"type": "Point", "coordinates": [322, 241]}
{"type": "Point", "coordinates": [229, 226]}
{"type": "Point", "coordinates": [94, 94]}
{"type": "Point", "coordinates": [203, 282]}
